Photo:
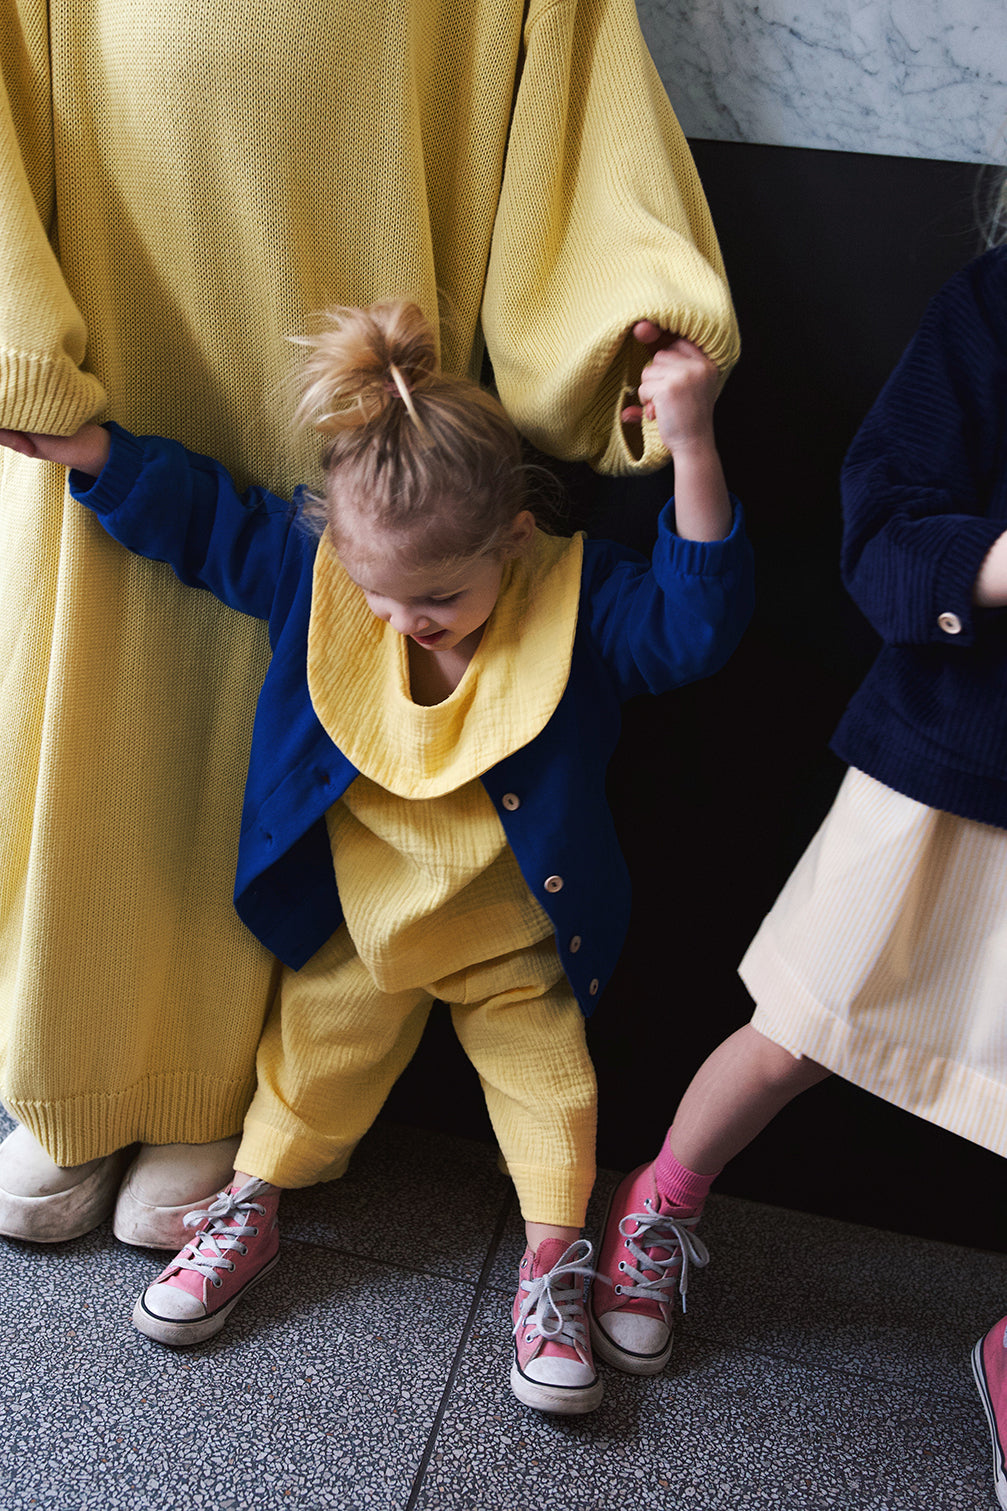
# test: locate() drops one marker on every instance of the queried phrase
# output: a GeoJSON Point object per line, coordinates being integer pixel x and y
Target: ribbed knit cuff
{"type": "Point", "coordinates": [48, 398]}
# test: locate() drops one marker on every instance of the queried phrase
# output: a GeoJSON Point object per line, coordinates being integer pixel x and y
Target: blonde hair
{"type": "Point", "coordinates": [990, 195]}
{"type": "Point", "coordinates": [430, 459]}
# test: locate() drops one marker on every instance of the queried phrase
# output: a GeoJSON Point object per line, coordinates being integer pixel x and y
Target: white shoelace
{"type": "Point", "coordinates": [549, 1311]}
{"type": "Point", "coordinates": [659, 1230]}
{"type": "Point", "coordinates": [208, 1252]}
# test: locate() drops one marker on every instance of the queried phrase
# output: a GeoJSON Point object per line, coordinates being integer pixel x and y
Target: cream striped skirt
{"type": "Point", "coordinates": [885, 959]}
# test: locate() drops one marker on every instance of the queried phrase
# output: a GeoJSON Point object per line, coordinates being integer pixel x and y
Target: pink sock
{"type": "Point", "coordinates": [685, 1189]}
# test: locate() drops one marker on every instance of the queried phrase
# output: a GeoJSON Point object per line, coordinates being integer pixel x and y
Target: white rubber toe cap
{"type": "Point", "coordinates": [554, 1371]}
{"type": "Point", "coordinates": [638, 1335]}
{"type": "Point", "coordinates": [173, 1304]}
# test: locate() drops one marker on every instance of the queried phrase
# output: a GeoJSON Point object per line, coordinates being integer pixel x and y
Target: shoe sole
{"type": "Point", "coordinates": [180, 1333]}
{"type": "Point", "coordinates": [999, 1468]}
{"type": "Point", "coordinates": [607, 1349]}
{"type": "Point", "coordinates": [562, 1400]}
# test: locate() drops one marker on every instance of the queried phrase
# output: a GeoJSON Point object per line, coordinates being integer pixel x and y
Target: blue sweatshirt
{"type": "Point", "coordinates": [642, 627]}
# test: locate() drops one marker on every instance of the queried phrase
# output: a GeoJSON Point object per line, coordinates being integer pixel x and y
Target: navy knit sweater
{"type": "Point", "coordinates": [924, 498]}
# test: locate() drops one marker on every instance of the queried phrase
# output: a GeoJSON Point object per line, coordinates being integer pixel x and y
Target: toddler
{"type": "Point", "coordinates": [425, 814]}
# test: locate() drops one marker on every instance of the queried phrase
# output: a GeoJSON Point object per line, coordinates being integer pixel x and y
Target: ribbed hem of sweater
{"type": "Point", "coordinates": [915, 768]}
{"type": "Point", "coordinates": [185, 1108]}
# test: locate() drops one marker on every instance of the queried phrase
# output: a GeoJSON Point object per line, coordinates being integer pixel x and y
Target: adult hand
{"type": "Point", "coordinates": [655, 338]}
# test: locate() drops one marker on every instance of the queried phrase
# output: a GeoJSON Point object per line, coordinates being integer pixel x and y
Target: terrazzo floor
{"type": "Point", "coordinates": [820, 1365]}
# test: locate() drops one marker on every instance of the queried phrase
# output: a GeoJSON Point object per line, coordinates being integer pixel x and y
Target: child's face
{"type": "Point", "coordinates": [439, 608]}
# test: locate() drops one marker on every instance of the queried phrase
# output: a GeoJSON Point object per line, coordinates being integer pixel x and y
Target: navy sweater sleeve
{"type": "Point", "coordinates": [923, 482]}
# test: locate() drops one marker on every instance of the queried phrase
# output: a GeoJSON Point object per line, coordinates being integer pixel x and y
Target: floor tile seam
{"type": "Point", "coordinates": [423, 1271]}
{"type": "Point", "coordinates": [480, 1287]}
{"type": "Point", "coordinates": [801, 1361]}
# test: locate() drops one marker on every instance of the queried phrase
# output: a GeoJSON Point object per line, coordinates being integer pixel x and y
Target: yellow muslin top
{"type": "Point", "coordinates": [181, 187]}
{"type": "Point", "coordinates": [427, 880]}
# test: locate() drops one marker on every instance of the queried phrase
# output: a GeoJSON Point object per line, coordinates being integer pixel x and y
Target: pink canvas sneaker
{"type": "Point", "coordinates": [553, 1369]}
{"type": "Point", "coordinates": [989, 1365]}
{"type": "Point", "coordinates": [237, 1242]}
{"type": "Point", "coordinates": [646, 1252]}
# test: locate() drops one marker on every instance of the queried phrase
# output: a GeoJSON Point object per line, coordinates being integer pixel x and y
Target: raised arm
{"type": "Point", "coordinates": [678, 389]}
{"type": "Point", "coordinates": [173, 505]}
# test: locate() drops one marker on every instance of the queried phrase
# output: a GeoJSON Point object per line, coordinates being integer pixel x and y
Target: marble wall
{"type": "Point", "coordinates": [908, 78]}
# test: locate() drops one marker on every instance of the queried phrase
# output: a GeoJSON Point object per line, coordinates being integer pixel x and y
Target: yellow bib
{"type": "Point", "coordinates": [358, 674]}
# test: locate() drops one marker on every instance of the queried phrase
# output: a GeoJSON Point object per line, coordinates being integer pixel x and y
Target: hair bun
{"type": "Point", "coordinates": [365, 364]}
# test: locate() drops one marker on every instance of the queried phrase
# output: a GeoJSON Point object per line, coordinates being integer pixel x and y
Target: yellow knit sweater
{"type": "Point", "coordinates": [181, 186]}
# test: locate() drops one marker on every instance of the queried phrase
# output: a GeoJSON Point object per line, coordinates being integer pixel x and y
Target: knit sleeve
{"type": "Point", "coordinates": [924, 484]}
{"type": "Point", "coordinates": [601, 221]}
{"type": "Point", "coordinates": [42, 334]}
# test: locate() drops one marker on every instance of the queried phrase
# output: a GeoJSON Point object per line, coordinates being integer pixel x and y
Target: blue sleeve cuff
{"type": "Point", "coordinates": [104, 493]}
{"type": "Point", "coordinates": [702, 558]}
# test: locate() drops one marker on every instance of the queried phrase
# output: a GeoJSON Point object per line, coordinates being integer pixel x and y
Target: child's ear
{"type": "Point", "coordinates": [519, 536]}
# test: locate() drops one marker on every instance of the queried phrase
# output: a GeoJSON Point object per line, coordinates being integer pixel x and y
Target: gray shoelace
{"type": "Point", "coordinates": [209, 1250]}
{"type": "Point", "coordinates": [659, 1230]}
{"type": "Point", "coordinates": [554, 1311]}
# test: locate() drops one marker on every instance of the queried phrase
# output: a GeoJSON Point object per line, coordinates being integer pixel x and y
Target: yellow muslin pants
{"type": "Point", "coordinates": [334, 1044]}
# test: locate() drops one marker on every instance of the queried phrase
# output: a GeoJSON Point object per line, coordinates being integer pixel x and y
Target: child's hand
{"type": "Point", "coordinates": [678, 388]}
{"type": "Point", "coordinates": [87, 451]}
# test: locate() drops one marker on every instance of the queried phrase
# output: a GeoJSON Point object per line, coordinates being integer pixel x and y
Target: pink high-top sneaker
{"type": "Point", "coordinates": [989, 1365]}
{"type": "Point", "coordinates": [236, 1243]}
{"type": "Point", "coordinates": [646, 1252]}
{"type": "Point", "coordinates": [553, 1369]}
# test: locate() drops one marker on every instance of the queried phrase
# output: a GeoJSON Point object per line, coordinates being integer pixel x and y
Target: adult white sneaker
{"type": "Point", "coordinates": [42, 1202]}
{"type": "Point", "coordinates": [164, 1182]}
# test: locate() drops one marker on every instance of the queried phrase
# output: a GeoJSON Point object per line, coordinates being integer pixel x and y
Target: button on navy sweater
{"type": "Point", "coordinates": [924, 489]}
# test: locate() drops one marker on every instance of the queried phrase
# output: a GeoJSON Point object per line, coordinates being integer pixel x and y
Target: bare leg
{"type": "Point", "coordinates": [241, 1179]}
{"type": "Point", "coordinates": [740, 1088]}
{"type": "Point", "coordinates": [538, 1232]}
{"type": "Point", "coordinates": [731, 1098]}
